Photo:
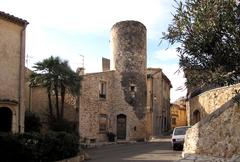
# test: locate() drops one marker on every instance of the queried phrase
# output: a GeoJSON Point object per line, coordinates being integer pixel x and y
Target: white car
{"type": "Point", "coordinates": [178, 137]}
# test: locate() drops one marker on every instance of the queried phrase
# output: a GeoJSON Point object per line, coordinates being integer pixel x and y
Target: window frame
{"type": "Point", "coordinates": [103, 123]}
{"type": "Point", "coordinates": [102, 91]}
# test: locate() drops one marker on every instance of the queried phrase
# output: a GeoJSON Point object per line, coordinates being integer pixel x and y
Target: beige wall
{"type": "Point", "coordinates": [158, 103]}
{"type": "Point", "coordinates": [36, 100]}
{"type": "Point", "coordinates": [217, 135]}
{"type": "Point", "coordinates": [179, 113]}
{"type": "Point", "coordinates": [166, 104]}
{"type": "Point", "coordinates": [210, 101]}
{"type": "Point", "coordinates": [10, 35]}
{"type": "Point", "coordinates": [12, 46]}
{"type": "Point", "coordinates": [154, 102]}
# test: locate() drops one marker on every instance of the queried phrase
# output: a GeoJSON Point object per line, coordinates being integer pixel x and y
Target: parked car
{"type": "Point", "coordinates": [178, 137]}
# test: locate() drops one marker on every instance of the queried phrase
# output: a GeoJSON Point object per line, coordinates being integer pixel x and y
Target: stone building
{"type": "Point", "coordinates": [12, 52]}
{"type": "Point", "coordinates": [178, 114]}
{"type": "Point", "coordinates": [158, 102]}
{"type": "Point", "coordinates": [129, 100]}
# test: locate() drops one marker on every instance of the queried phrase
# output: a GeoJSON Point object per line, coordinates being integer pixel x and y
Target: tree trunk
{"type": "Point", "coordinates": [50, 103]}
{"type": "Point", "coordinates": [62, 100]}
{"type": "Point", "coordinates": [77, 115]}
{"type": "Point", "coordinates": [56, 95]}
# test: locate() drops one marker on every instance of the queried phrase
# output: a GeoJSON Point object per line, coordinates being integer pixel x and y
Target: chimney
{"type": "Point", "coordinates": [105, 64]}
{"type": "Point", "coordinates": [80, 71]}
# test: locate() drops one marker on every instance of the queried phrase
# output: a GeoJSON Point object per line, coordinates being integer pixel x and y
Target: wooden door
{"type": "Point", "coordinates": [121, 126]}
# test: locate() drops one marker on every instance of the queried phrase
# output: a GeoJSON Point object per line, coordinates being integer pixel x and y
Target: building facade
{"type": "Point", "coordinates": [123, 100]}
{"type": "Point", "coordinates": [158, 99]}
{"type": "Point", "coordinates": [126, 98]}
{"type": "Point", "coordinates": [178, 115]}
{"type": "Point", "coordinates": [12, 52]}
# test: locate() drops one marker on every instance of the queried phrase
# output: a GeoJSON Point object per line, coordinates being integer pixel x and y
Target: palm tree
{"type": "Point", "coordinates": [57, 76]}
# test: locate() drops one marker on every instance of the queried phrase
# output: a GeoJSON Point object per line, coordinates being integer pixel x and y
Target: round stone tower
{"type": "Point", "coordinates": [128, 42]}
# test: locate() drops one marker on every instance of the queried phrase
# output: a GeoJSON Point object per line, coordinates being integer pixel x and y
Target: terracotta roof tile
{"type": "Point", "coordinates": [13, 19]}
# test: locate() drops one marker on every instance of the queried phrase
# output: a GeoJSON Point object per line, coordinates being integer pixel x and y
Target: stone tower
{"type": "Point", "coordinates": [128, 42]}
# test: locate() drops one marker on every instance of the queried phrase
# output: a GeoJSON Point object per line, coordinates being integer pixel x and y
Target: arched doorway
{"type": "Point", "coordinates": [196, 116]}
{"type": "Point", "coordinates": [121, 126]}
{"type": "Point", "coordinates": [5, 119]}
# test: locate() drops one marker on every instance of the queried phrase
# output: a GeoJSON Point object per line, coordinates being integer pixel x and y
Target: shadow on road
{"type": "Point", "coordinates": [138, 152]}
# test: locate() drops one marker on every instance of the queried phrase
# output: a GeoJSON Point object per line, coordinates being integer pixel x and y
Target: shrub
{"type": "Point", "coordinates": [61, 125]}
{"type": "Point", "coordinates": [32, 122]}
{"type": "Point", "coordinates": [111, 136]}
{"type": "Point", "coordinates": [34, 147]}
{"type": "Point", "coordinates": [58, 145]}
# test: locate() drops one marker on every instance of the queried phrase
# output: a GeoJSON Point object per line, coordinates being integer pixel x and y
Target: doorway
{"type": "Point", "coordinates": [121, 126]}
{"type": "Point", "coordinates": [196, 116]}
{"type": "Point", "coordinates": [5, 119]}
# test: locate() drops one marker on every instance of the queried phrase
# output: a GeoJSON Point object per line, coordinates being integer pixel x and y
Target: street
{"type": "Point", "coordinates": [158, 151]}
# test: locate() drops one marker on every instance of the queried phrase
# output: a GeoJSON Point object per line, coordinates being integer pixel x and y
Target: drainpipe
{"type": "Point", "coordinates": [21, 74]}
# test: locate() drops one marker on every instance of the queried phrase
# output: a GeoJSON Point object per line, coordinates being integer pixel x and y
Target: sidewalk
{"type": "Point", "coordinates": [160, 139]}
{"type": "Point", "coordinates": [204, 158]}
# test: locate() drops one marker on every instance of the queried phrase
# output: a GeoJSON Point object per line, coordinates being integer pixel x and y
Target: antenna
{"type": "Point", "coordinates": [28, 60]}
{"type": "Point", "coordinates": [82, 61]}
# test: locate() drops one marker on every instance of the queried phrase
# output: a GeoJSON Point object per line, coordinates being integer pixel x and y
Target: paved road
{"type": "Point", "coordinates": [159, 151]}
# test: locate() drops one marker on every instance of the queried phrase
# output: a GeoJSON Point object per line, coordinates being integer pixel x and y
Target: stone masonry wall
{"type": "Point", "coordinates": [91, 106]}
{"type": "Point", "coordinates": [135, 126]}
{"type": "Point", "coordinates": [128, 43]}
{"type": "Point", "coordinates": [210, 101]}
{"type": "Point", "coordinates": [216, 135]}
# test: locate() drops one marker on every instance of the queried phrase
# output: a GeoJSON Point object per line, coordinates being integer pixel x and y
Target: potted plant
{"type": "Point", "coordinates": [111, 137]}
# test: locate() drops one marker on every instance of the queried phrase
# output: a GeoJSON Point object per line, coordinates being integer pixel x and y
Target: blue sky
{"type": "Point", "coordinates": [70, 28]}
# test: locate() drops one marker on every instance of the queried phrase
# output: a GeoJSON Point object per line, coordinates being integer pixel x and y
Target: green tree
{"type": "Point", "coordinates": [208, 35]}
{"type": "Point", "coordinates": [59, 79]}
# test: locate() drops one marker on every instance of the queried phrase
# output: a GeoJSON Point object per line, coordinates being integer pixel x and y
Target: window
{"type": "Point", "coordinates": [102, 89]}
{"type": "Point", "coordinates": [133, 88]}
{"type": "Point", "coordinates": [103, 123]}
{"type": "Point", "coordinates": [174, 121]}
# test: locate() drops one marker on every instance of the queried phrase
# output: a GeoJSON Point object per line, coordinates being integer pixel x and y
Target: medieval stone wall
{"type": "Point", "coordinates": [217, 135]}
{"type": "Point", "coordinates": [128, 42]}
{"type": "Point", "coordinates": [209, 101]}
{"type": "Point", "coordinates": [135, 126]}
{"type": "Point", "coordinates": [91, 107]}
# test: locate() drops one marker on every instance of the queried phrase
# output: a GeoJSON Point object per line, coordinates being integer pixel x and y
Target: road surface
{"type": "Point", "coordinates": [158, 151]}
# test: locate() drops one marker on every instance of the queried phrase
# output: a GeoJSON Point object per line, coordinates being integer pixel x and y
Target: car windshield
{"type": "Point", "coordinates": [180, 131]}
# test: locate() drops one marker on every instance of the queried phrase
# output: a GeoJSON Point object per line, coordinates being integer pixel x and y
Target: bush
{"type": "Point", "coordinates": [34, 147]}
{"type": "Point", "coordinates": [32, 122]}
{"type": "Point", "coordinates": [111, 136]}
{"type": "Point", "coordinates": [59, 145]}
{"type": "Point", "coordinates": [61, 125]}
